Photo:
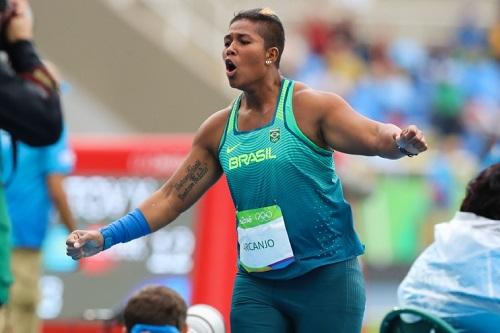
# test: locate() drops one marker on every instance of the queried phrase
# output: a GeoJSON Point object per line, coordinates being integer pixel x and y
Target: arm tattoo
{"type": "Point", "coordinates": [194, 174]}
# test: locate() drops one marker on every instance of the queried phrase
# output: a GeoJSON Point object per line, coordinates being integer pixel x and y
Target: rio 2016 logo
{"type": "Point", "coordinates": [245, 220]}
{"type": "Point", "coordinates": [260, 216]}
{"type": "Point", "coordinates": [263, 216]}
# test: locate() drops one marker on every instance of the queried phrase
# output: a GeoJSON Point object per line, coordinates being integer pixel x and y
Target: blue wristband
{"type": "Point", "coordinates": [129, 227]}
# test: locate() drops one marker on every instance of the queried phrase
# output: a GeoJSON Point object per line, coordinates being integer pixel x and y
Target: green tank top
{"type": "Point", "coordinates": [277, 164]}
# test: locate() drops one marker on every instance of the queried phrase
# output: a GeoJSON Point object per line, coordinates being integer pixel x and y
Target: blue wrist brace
{"type": "Point", "coordinates": [129, 227]}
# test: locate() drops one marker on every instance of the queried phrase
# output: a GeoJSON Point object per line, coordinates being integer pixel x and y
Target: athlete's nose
{"type": "Point", "coordinates": [230, 49]}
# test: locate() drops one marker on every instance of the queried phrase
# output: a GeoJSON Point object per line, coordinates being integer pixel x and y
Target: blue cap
{"type": "Point", "coordinates": [139, 328]}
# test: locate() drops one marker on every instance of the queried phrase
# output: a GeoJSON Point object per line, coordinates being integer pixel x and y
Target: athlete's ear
{"type": "Point", "coordinates": [272, 55]}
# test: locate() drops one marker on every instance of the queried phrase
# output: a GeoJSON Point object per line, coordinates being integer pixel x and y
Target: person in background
{"type": "Point", "coordinates": [35, 187]}
{"type": "Point", "coordinates": [457, 277]}
{"type": "Point", "coordinates": [30, 109]}
{"type": "Point", "coordinates": [298, 266]}
{"type": "Point", "coordinates": [159, 309]}
{"type": "Point", "coordinates": [155, 309]}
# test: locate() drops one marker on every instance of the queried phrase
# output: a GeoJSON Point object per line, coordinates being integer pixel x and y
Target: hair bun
{"type": "Point", "coordinates": [267, 11]}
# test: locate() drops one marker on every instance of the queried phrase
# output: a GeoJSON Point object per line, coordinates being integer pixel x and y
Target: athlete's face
{"type": "Point", "coordinates": [244, 53]}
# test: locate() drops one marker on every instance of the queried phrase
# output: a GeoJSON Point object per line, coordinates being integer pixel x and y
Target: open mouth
{"type": "Point", "coordinates": [230, 67]}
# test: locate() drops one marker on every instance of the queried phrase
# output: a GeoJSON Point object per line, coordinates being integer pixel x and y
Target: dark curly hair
{"type": "Point", "coordinates": [483, 194]}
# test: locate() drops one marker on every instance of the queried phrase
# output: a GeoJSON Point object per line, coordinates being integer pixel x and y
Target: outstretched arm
{"type": "Point", "coordinates": [199, 171]}
{"type": "Point", "coordinates": [348, 131]}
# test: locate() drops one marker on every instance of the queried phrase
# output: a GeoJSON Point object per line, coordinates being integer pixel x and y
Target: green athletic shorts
{"type": "Point", "coordinates": [330, 298]}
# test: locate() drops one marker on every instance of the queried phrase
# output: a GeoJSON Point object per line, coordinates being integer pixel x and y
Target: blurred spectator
{"type": "Point", "coordinates": [155, 309]}
{"type": "Point", "coordinates": [469, 35]}
{"type": "Point", "coordinates": [317, 34]}
{"type": "Point", "coordinates": [448, 89]}
{"type": "Point", "coordinates": [492, 154]}
{"type": "Point", "coordinates": [444, 178]}
{"type": "Point", "coordinates": [458, 276]}
{"type": "Point", "coordinates": [158, 309]}
{"type": "Point", "coordinates": [29, 109]}
{"type": "Point", "coordinates": [38, 175]}
{"type": "Point", "coordinates": [344, 63]}
{"type": "Point", "coordinates": [408, 55]}
{"type": "Point", "coordinates": [494, 38]}
{"type": "Point", "coordinates": [447, 107]}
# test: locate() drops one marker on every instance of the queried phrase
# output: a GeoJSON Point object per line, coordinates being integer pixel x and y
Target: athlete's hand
{"type": "Point", "coordinates": [84, 243]}
{"type": "Point", "coordinates": [412, 140]}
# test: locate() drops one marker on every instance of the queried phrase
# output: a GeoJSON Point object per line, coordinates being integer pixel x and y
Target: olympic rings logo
{"type": "Point", "coordinates": [245, 220]}
{"type": "Point", "coordinates": [263, 216]}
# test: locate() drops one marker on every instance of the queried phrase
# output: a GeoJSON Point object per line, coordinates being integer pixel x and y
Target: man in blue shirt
{"type": "Point", "coordinates": [34, 184]}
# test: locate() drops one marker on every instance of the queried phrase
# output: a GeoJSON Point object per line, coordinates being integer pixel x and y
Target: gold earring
{"type": "Point", "coordinates": [268, 62]}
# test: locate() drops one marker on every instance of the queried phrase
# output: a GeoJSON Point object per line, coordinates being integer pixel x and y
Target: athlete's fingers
{"type": "Point", "coordinates": [83, 238]}
{"type": "Point", "coordinates": [74, 253]}
{"type": "Point", "coordinates": [76, 256]}
{"type": "Point", "coordinates": [419, 142]}
{"type": "Point", "coordinates": [77, 239]}
{"type": "Point", "coordinates": [416, 139]}
{"type": "Point", "coordinates": [71, 251]}
{"type": "Point", "coordinates": [409, 133]}
{"type": "Point", "coordinates": [70, 241]}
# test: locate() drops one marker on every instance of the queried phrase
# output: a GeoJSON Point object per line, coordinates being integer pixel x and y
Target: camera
{"type": "Point", "coordinates": [4, 6]}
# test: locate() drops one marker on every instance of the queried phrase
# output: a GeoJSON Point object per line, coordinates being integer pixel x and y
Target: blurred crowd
{"type": "Point", "coordinates": [452, 91]}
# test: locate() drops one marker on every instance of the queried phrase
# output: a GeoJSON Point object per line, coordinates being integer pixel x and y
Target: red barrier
{"type": "Point", "coordinates": [79, 327]}
{"type": "Point", "coordinates": [215, 254]}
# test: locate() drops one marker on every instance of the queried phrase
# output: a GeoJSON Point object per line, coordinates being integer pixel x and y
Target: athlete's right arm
{"type": "Point", "coordinates": [199, 171]}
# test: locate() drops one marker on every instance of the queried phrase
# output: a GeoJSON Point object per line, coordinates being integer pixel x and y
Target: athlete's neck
{"type": "Point", "coordinates": [262, 96]}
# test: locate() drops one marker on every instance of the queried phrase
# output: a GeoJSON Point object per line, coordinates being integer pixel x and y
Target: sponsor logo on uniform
{"type": "Point", "coordinates": [229, 150]}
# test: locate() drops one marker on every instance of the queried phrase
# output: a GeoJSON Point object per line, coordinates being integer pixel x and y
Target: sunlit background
{"type": "Point", "coordinates": [137, 67]}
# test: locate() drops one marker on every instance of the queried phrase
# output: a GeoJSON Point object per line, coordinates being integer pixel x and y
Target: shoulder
{"type": "Point", "coordinates": [315, 102]}
{"type": "Point", "coordinates": [210, 132]}
{"type": "Point", "coordinates": [216, 122]}
{"type": "Point", "coordinates": [305, 95]}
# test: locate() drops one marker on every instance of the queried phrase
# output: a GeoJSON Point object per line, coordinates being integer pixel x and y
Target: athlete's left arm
{"type": "Point", "coordinates": [348, 131]}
